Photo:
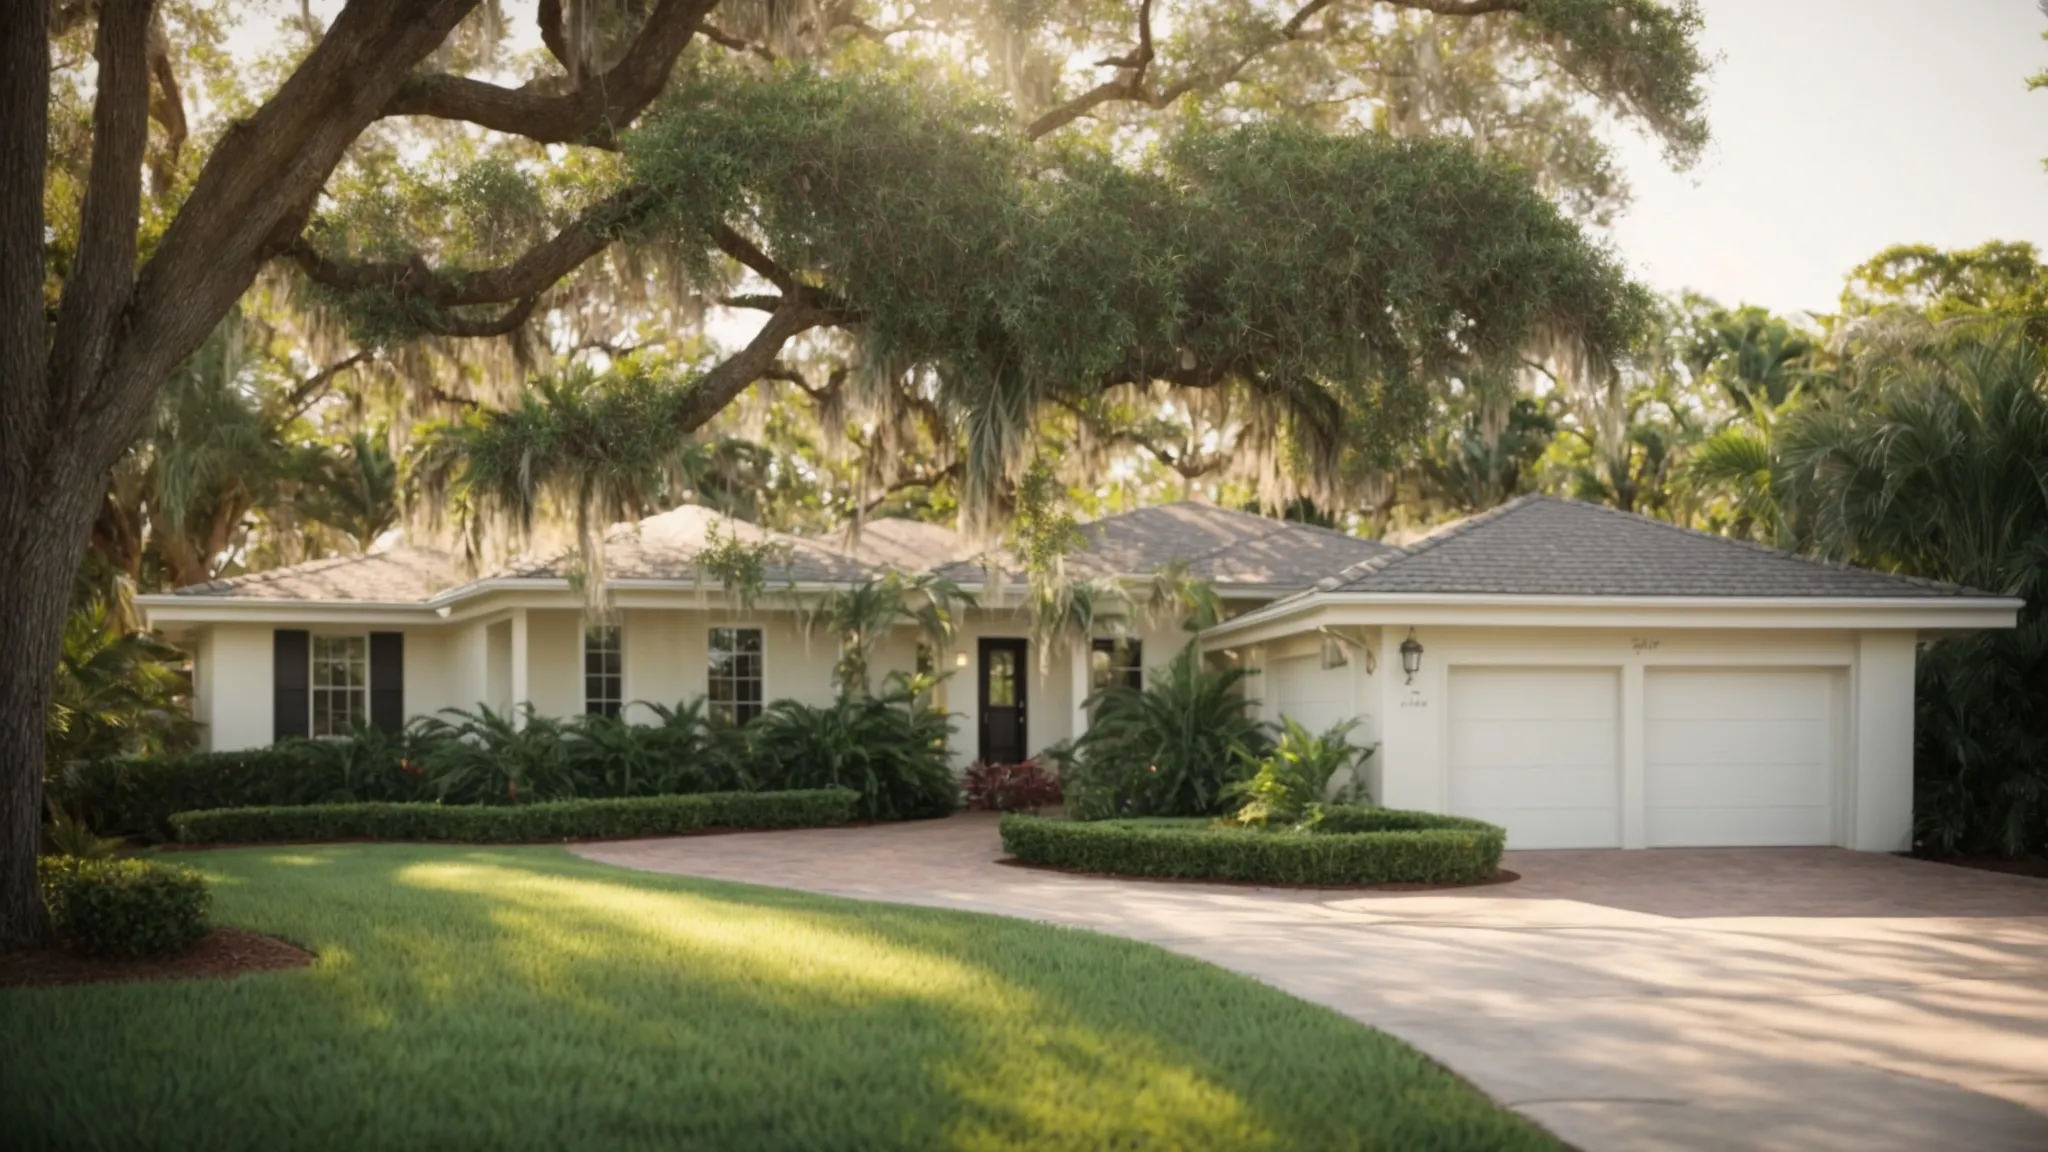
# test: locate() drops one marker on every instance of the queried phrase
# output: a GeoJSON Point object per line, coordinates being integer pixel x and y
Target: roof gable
{"type": "Point", "coordinates": [1547, 546]}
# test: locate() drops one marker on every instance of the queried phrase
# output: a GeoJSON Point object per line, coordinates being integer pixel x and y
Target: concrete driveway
{"type": "Point", "coordinates": [1700, 998]}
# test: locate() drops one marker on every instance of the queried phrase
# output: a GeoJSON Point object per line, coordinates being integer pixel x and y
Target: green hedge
{"type": "Point", "coordinates": [138, 797]}
{"type": "Point", "coordinates": [1379, 846]}
{"type": "Point", "coordinates": [123, 908]}
{"type": "Point", "coordinates": [553, 820]}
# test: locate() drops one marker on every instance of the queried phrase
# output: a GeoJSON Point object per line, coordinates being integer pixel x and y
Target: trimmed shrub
{"type": "Point", "coordinates": [123, 908]}
{"type": "Point", "coordinates": [137, 797]}
{"type": "Point", "coordinates": [499, 824]}
{"type": "Point", "coordinates": [1388, 847]}
{"type": "Point", "coordinates": [1023, 787]}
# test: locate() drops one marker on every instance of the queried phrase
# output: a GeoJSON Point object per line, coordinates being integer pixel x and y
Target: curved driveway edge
{"type": "Point", "coordinates": [1683, 999]}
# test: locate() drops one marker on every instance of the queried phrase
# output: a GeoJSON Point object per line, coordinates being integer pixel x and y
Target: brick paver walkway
{"type": "Point", "coordinates": [1712, 998]}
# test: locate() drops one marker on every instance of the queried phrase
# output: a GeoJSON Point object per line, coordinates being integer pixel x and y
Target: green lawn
{"type": "Point", "coordinates": [522, 998]}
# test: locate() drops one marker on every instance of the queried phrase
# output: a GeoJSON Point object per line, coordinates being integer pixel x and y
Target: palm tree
{"type": "Point", "coordinates": [353, 487]}
{"type": "Point", "coordinates": [1934, 462]}
{"type": "Point", "coordinates": [117, 693]}
{"type": "Point", "coordinates": [862, 614]}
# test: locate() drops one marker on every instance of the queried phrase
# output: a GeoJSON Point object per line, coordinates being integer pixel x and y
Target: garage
{"type": "Point", "coordinates": [1592, 678]}
{"type": "Point", "coordinates": [1738, 757]}
{"type": "Point", "coordinates": [1536, 751]}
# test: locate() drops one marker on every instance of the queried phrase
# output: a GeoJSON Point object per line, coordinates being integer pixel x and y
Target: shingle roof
{"type": "Point", "coordinates": [401, 575]}
{"type": "Point", "coordinates": [1546, 546]}
{"type": "Point", "coordinates": [906, 545]}
{"type": "Point", "coordinates": [665, 547]}
{"type": "Point", "coordinates": [1220, 545]}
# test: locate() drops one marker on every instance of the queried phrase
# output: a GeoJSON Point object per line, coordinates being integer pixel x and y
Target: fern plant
{"type": "Point", "coordinates": [492, 757]}
{"type": "Point", "coordinates": [890, 748]}
{"type": "Point", "coordinates": [1296, 775]}
{"type": "Point", "coordinates": [67, 835]}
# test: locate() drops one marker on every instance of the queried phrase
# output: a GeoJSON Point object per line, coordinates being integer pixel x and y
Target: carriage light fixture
{"type": "Point", "coordinates": [1411, 656]}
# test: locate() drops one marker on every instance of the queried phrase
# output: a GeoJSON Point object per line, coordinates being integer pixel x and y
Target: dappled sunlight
{"type": "Point", "coordinates": [745, 944]}
{"type": "Point", "coordinates": [1025, 1063]}
{"type": "Point", "coordinates": [1062, 1077]}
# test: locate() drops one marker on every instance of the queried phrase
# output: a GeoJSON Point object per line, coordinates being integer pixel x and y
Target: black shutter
{"type": "Point", "coordinates": [387, 681]}
{"type": "Point", "coordinates": [291, 667]}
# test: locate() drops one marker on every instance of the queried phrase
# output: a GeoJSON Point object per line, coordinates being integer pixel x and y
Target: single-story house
{"type": "Point", "coordinates": [1585, 677]}
{"type": "Point", "coordinates": [388, 636]}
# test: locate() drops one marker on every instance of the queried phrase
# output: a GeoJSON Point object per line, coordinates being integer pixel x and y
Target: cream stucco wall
{"type": "Point", "coordinates": [554, 669]}
{"type": "Point", "coordinates": [1881, 791]}
{"type": "Point", "coordinates": [239, 708]}
{"type": "Point", "coordinates": [666, 656]}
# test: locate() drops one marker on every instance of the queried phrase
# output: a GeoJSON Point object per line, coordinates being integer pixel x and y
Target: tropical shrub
{"type": "Point", "coordinates": [115, 692]}
{"type": "Point", "coordinates": [369, 765]}
{"type": "Point", "coordinates": [123, 908]}
{"type": "Point", "coordinates": [1170, 749]}
{"type": "Point", "coordinates": [1028, 786]}
{"type": "Point", "coordinates": [67, 835]}
{"type": "Point", "coordinates": [1383, 847]}
{"type": "Point", "coordinates": [1296, 774]}
{"type": "Point", "coordinates": [891, 749]}
{"type": "Point", "coordinates": [500, 823]}
{"type": "Point", "coordinates": [680, 752]}
{"type": "Point", "coordinates": [492, 757]}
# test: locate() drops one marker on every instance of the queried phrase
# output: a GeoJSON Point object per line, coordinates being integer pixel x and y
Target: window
{"type": "Point", "coordinates": [1116, 661]}
{"type": "Point", "coordinates": [1002, 678]}
{"type": "Point", "coordinates": [604, 678]}
{"type": "Point", "coordinates": [341, 684]}
{"type": "Point", "coordinates": [735, 675]}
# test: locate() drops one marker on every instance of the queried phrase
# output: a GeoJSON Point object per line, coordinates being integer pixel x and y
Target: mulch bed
{"type": "Point", "coordinates": [2010, 865]}
{"type": "Point", "coordinates": [1501, 877]}
{"type": "Point", "coordinates": [221, 954]}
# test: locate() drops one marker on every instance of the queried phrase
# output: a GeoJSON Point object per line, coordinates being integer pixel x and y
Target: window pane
{"type": "Point", "coordinates": [1002, 678]}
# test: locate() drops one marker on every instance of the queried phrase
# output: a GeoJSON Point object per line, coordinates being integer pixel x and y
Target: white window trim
{"type": "Point", "coordinates": [359, 710]}
{"type": "Point", "coordinates": [761, 678]}
{"type": "Point", "coordinates": [618, 633]}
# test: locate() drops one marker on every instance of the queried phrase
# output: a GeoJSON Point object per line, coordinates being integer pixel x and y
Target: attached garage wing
{"type": "Point", "coordinates": [1738, 757]}
{"type": "Point", "coordinates": [1536, 750]}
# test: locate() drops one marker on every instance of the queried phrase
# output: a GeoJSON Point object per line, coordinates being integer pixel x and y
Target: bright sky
{"type": "Point", "coordinates": [1841, 127]}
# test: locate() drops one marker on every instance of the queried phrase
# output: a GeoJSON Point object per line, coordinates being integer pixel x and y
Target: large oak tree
{"type": "Point", "coordinates": [1011, 252]}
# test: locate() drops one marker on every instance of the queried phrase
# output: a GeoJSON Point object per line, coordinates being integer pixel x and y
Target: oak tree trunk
{"type": "Point", "coordinates": [45, 530]}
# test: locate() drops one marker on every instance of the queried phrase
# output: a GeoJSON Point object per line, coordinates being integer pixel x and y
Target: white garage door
{"type": "Point", "coordinates": [1535, 751]}
{"type": "Point", "coordinates": [1315, 696]}
{"type": "Point", "coordinates": [1738, 757]}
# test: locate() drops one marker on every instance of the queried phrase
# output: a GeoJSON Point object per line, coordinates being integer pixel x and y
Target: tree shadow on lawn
{"type": "Point", "coordinates": [522, 997]}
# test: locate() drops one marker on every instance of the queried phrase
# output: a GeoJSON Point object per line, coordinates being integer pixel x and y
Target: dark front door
{"type": "Point", "coordinates": [1002, 701]}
